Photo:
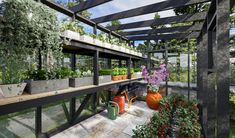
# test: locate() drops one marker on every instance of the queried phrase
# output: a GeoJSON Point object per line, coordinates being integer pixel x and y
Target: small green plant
{"type": "Point", "coordinates": [72, 26]}
{"type": "Point", "coordinates": [105, 72]}
{"type": "Point", "coordinates": [87, 73]}
{"type": "Point", "coordinates": [122, 71]}
{"type": "Point", "coordinates": [132, 71]}
{"type": "Point", "coordinates": [115, 72]}
{"type": "Point", "coordinates": [76, 74]}
{"type": "Point", "coordinates": [137, 70]}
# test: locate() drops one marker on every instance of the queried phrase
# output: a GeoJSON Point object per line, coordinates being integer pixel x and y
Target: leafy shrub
{"type": "Point", "coordinates": [72, 26]}
{"type": "Point", "coordinates": [122, 71]}
{"type": "Point", "coordinates": [175, 105]}
{"type": "Point", "coordinates": [87, 73]}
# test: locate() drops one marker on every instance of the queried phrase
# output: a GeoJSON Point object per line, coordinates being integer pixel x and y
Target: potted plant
{"type": "Point", "coordinates": [40, 81]}
{"type": "Point", "coordinates": [137, 73]}
{"type": "Point", "coordinates": [105, 76]}
{"type": "Point", "coordinates": [72, 30]}
{"type": "Point", "coordinates": [81, 78]}
{"type": "Point", "coordinates": [154, 78]}
{"type": "Point", "coordinates": [97, 40]}
{"type": "Point", "coordinates": [115, 74]}
{"type": "Point", "coordinates": [88, 38]}
{"type": "Point", "coordinates": [123, 73]}
{"type": "Point", "coordinates": [132, 73]}
{"type": "Point", "coordinates": [11, 83]}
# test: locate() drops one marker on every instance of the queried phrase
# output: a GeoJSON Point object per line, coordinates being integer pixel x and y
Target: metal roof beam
{"type": "Point", "coordinates": [161, 6]}
{"type": "Point", "coordinates": [167, 20]}
{"type": "Point", "coordinates": [178, 29]}
{"type": "Point", "coordinates": [166, 36]}
{"type": "Point", "coordinates": [87, 5]}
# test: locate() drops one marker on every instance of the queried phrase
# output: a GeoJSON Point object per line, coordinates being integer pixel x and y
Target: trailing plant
{"type": "Point", "coordinates": [72, 26]}
{"type": "Point", "coordinates": [29, 29]}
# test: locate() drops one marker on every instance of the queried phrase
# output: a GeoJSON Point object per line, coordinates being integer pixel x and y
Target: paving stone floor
{"type": "Point", "coordinates": [99, 126]}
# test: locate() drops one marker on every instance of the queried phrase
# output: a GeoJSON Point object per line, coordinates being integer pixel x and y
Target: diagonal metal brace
{"type": "Point", "coordinates": [80, 109]}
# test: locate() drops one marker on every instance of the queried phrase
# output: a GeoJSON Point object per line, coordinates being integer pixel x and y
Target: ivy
{"type": "Point", "coordinates": [27, 28]}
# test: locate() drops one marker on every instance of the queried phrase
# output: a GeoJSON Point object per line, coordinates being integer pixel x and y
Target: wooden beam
{"type": "Point", "coordinates": [87, 4]}
{"type": "Point", "coordinates": [166, 36]}
{"type": "Point", "coordinates": [167, 20]}
{"type": "Point", "coordinates": [178, 29]}
{"type": "Point", "coordinates": [160, 6]}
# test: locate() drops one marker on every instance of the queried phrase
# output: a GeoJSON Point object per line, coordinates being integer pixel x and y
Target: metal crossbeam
{"type": "Point", "coordinates": [82, 106]}
{"type": "Point", "coordinates": [168, 20]}
{"type": "Point", "coordinates": [166, 36]}
{"type": "Point", "coordinates": [196, 27]}
{"type": "Point", "coordinates": [87, 4]}
{"type": "Point", "coordinates": [161, 6]}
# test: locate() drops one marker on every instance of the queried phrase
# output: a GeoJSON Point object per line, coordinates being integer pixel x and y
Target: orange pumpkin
{"type": "Point", "coordinates": [152, 100]}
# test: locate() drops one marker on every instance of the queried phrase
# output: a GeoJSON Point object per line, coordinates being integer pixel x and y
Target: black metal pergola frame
{"type": "Point", "coordinates": [212, 35]}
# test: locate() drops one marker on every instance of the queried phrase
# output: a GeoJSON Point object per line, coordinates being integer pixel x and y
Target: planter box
{"type": "Point", "coordinates": [139, 54]}
{"type": "Point", "coordinates": [11, 90]}
{"type": "Point", "coordinates": [115, 47]}
{"type": "Point", "coordinates": [105, 79]}
{"type": "Point", "coordinates": [41, 86]}
{"type": "Point", "coordinates": [132, 52]}
{"type": "Point", "coordinates": [87, 39]}
{"type": "Point", "coordinates": [137, 74]}
{"type": "Point", "coordinates": [128, 51]}
{"type": "Point", "coordinates": [122, 49]}
{"type": "Point", "coordinates": [107, 45]}
{"type": "Point", "coordinates": [98, 42]}
{"type": "Point", "coordinates": [79, 82]}
{"type": "Point", "coordinates": [71, 34]}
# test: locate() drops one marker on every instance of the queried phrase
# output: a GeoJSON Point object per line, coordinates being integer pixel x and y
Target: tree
{"type": "Point", "coordinates": [115, 23]}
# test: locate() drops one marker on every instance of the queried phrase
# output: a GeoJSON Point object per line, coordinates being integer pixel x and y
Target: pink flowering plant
{"type": "Point", "coordinates": [155, 77]}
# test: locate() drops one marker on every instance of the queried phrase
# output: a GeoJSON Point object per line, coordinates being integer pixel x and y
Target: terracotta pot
{"type": "Point", "coordinates": [119, 77]}
{"type": "Point", "coordinates": [152, 100]}
{"type": "Point", "coordinates": [125, 77]}
{"type": "Point", "coordinates": [115, 78]}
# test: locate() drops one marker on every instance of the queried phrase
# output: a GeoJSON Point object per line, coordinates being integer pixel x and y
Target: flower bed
{"type": "Point", "coordinates": [176, 118]}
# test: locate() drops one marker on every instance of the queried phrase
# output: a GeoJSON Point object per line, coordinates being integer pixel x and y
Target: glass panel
{"type": "Point", "coordinates": [54, 115]}
{"type": "Point", "coordinates": [18, 125]}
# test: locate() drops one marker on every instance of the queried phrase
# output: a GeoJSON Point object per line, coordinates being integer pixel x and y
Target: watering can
{"type": "Point", "coordinates": [113, 110]}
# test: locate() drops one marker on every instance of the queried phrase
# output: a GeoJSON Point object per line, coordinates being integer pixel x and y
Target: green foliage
{"type": "Point", "coordinates": [122, 71]}
{"type": "Point", "coordinates": [27, 27]}
{"type": "Point", "coordinates": [132, 71]}
{"type": "Point", "coordinates": [72, 26]}
{"type": "Point", "coordinates": [61, 73]}
{"type": "Point", "coordinates": [115, 72]}
{"type": "Point", "coordinates": [105, 72]}
{"type": "Point", "coordinates": [232, 70]}
{"type": "Point", "coordinates": [192, 9]}
{"type": "Point", "coordinates": [186, 118]}
{"type": "Point", "coordinates": [137, 69]}
{"type": "Point", "coordinates": [87, 73]}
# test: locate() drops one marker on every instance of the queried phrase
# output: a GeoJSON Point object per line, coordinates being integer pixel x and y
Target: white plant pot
{"type": "Point", "coordinates": [87, 39]}
{"type": "Point", "coordinates": [98, 42]}
{"type": "Point", "coordinates": [137, 74]}
{"type": "Point", "coordinates": [132, 52]}
{"type": "Point", "coordinates": [115, 47]}
{"type": "Point", "coordinates": [71, 35]}
{"type": "Point", "coordinates": [107, 45]}
{"type": "Point", "coordinates": [11, 90]}
{"type": "Point", "coordinates": [123, 49]}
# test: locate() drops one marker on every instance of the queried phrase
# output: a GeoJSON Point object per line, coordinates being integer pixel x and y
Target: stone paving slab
{"type": "Point", "coordinates": [99, 126]}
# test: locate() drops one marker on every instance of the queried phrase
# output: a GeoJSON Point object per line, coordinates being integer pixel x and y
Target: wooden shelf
{"type": "Point", "coordinates": [28, 101]}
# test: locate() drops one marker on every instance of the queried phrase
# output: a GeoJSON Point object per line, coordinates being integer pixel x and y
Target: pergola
{"type": "Point", "coordinates": [210, 29]}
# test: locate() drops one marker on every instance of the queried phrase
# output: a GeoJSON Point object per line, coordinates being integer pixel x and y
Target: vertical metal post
{"type": "Point", "coordinates": [129, 67]}
{"type": "Point", "coordinates": [73, 61]}
{"type": "Point", "coordinates": [96, 78]}
{"type": "Point", "coordinates": [39, 59]}
{"type": "Point", "coordinates": [109, 63]}
{"type": "Point", "coordinates": [223, 73]}
{"type": "Point", "coordinates": [188, 69]}
{"type": "Point", "coordinates": [166, 62]}
{"type": "Point", "coordinates": [120, 63]}
{"type": "Point", "coordinates": [72, 108]}
{"type": "Point", "coordinates": [38, 122]}
{"type": "Point", "coordinates": [95, 29]}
